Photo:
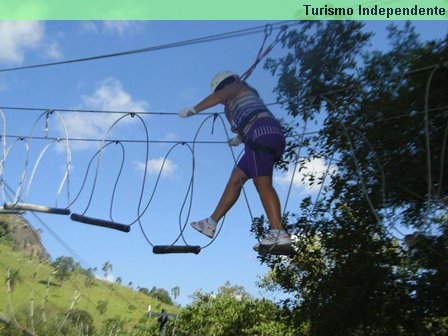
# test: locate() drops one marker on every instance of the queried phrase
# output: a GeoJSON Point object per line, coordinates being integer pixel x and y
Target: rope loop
{"type": "Point", "coordinates": [262, 53]}
{"type": "Point", "coordinates": [280, 36]}
{"type": "Point", "coordinates": [267, 30]}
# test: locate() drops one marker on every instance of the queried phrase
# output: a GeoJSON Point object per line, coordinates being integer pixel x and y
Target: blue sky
{"type": "Point", "coordinates": [161, 81]}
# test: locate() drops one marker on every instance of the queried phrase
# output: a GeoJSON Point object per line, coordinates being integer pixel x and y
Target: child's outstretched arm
{"type": "Point", "coordinates": [219, 97]}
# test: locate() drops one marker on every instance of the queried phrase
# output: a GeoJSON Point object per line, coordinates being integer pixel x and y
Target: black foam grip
{"type": "Point", "coordinates": [166, 249]}
{"type": "Point", "coordinates": [100, 222]}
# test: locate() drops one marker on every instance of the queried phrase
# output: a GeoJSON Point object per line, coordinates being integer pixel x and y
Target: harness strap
{"type": "Point", "coordinates": [248, 119]}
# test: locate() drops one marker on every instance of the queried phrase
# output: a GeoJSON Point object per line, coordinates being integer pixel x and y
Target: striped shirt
{"type": "Point", "coordinates": [261, 130]}
{"type": "Point", "coordinates": [241, 107]}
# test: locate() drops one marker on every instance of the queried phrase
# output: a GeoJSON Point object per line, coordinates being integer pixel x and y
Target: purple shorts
{"type": "Point", "coordinates": [260, 161]}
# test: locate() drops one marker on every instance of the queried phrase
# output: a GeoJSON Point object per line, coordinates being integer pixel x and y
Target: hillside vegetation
{"type": "Point", "coordinates": [59, 297]}
{"type": "Point", "coordinates": [37, 288]}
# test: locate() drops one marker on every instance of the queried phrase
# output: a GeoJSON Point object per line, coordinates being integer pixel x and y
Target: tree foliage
{"type": "Point", "coordinates": [14, 278]}
{"type": "Point", "coordinates": [102, 306]}
{"type": "Point", "coordinates": [161, 294]}
{"type": "Point", "coordinates": [175, 292]}
{"type": "Point", "coordinates": [383, 120]}
{"type": "Point", "coordinates": [82, 321]}
{"type": "Point", "coordinates": [64, 266]}
{"type": "Point", "coordinates": [231, 311]}
{"type": "Point", "coordinates": [107, 268]}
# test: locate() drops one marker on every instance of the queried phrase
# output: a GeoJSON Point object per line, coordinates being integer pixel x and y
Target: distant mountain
{"type": "Point", "coordinates": [23, 237]}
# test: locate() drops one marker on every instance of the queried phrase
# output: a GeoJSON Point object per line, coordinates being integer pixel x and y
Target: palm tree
{"type": "Point", "coordinates": [107, 267]}
{"type": "Point", "coordinates": [90, 278]}
{"type": "Point", "coordinates": [45, 298]}
{"type": "Point", "coordinates": [130, 284]}
{"type": "Point", "coordinates": [12, 279]}
{"type": "Point", "coordinates": [89, 281]}
{"type": "Point", "coordinates": [118, 281]}
{"type": "Point", "coordinates": [175, 292]}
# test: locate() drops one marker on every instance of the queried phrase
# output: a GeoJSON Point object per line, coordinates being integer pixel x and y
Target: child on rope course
{"type": "Point", "coordinates": [264, 144]}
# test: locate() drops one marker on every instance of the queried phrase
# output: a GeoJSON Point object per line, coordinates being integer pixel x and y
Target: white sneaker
{"type": "Point", "coordinates": [205, 226]}
{"type": "Point", "coordinates": [274, 239]}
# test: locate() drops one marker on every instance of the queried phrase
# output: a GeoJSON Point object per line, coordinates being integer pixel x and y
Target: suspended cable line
{"type": "Point", "coordinates": [204, 39]}
{"type": "Point", "coordinates": [342, 89]}
{"type": "Point", "coordinates": [123, 140]}
{"type": "Point", "coordinates": [40, 109]}
{"type": "Point", "coordinates": [12, 136]}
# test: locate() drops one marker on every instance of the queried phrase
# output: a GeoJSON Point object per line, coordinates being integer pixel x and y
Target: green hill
{"type": "Point", "coordinates": [100, 299]}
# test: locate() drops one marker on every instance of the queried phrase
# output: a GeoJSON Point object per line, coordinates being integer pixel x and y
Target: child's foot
{"type": "Point", "coordinates": [273, 239]}
{"type": "Point", "coordinates": [206, 226]}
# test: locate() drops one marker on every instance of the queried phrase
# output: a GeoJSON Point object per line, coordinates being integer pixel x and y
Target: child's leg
{"type": "Point", "coordinates": [230, 194]}
{"type": "Point", "coordinates": [277, 235]}
{"type": "Point", "coordinates": [270, 201]}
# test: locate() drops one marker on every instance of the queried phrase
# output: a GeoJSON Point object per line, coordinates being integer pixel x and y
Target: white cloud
{"type": "Point", "coordinates": [154, 166]}
{"type": "Point", "coordinates": [89, 27]}
{"type": "Point", "coordinates": [109, 95]}
{"type": "Point", "coordinates": [18, 37]}
{"type": "Point", "coordinates": [316, 167]}
{"type": "Point", "coordinates": [118, 27]}
{"type": "Point", "coordinates": [53, 51]}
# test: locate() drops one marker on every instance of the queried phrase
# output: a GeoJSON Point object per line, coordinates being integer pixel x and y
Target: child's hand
{"type": "Point", "coordinates": [187, 112]}
{"type": "Point", "coordinates": [235, 141]}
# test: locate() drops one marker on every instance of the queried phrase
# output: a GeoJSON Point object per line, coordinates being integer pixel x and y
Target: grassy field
{"type": "Point", "coordinates": [122, 301]}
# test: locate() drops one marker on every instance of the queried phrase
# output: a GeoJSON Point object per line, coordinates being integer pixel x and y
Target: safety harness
{"type": "Point", "coordinates": [256, 147]}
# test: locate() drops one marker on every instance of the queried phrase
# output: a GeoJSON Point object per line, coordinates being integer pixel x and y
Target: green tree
{"type": "Point", "coordinates": [13, 278]}
{"type": "Point", "coordinates": [175, 292]}
{"type": "Point", "coordinates": [114, 326]}
{"type": "Point", "coordinates": [144, 290]}
{"type": "Point", "coordinates": [107, 268]}
{"type": "Point", "coordinates": [161, 294]}
{"type": "Point", "coordinates": [65, 266]}
{"type": "Point", "coordinates": [102, 306]}
{"type": "Point", "coordinates": [350, 272]}
{"type": "Point", "coordinates": [89, 280]}
{"type": "Point", "coordinates": [231, 311]}
{"type": "Point", "coordinates": [82, 321]}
